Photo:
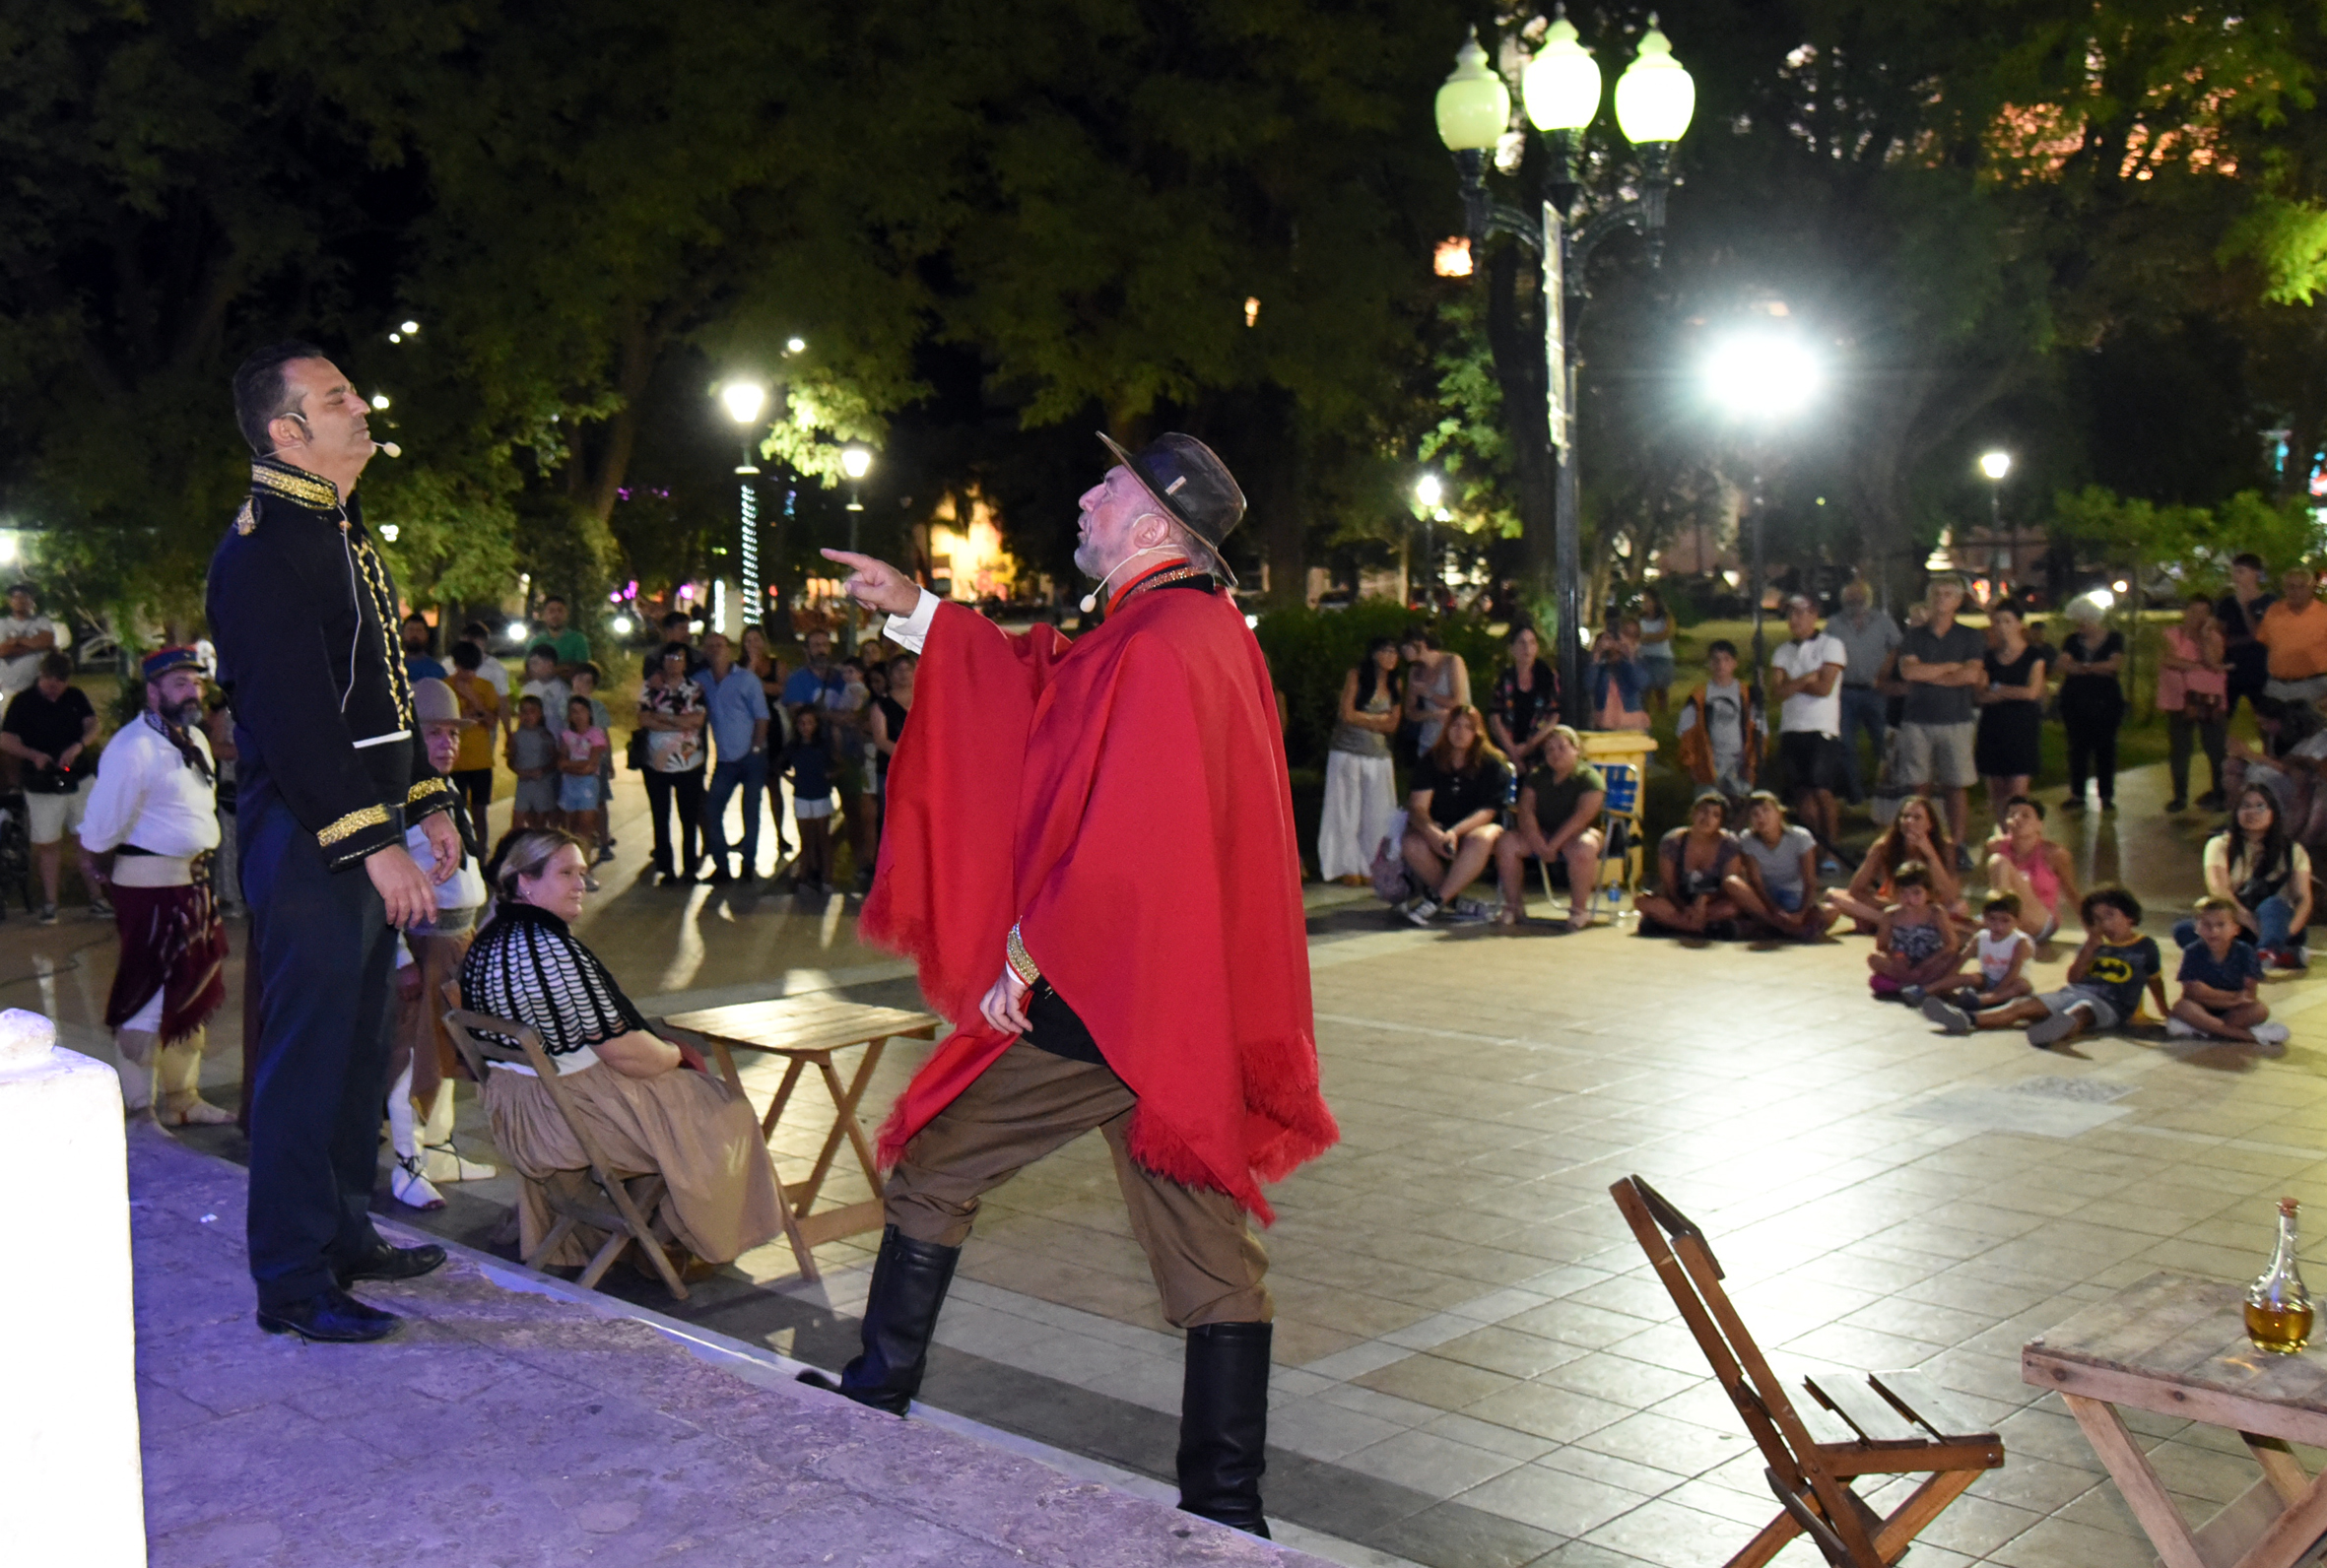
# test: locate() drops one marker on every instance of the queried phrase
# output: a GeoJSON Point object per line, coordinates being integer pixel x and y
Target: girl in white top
{"type": "Point", "coordinates": [2001, 950]}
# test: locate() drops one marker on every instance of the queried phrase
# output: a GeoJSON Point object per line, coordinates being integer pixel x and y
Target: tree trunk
{"type": "Point", "coordinates": [1284, 526]}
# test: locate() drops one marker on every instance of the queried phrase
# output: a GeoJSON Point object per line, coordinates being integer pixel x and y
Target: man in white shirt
{"type": "Point", "coordinates": [152, 821]}
{"type": "Point", "coordinates": [495, 673]}
{"type": "Point", "coordinates": [1806, 676]}
{"type": "Point", "coordinates": [420, 1096]}
{"type": "Point", "coordinates": [25, 635]}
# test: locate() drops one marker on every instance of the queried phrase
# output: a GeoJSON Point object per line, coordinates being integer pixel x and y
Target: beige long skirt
{"type": "Point", "coordinates": [679, 1125]}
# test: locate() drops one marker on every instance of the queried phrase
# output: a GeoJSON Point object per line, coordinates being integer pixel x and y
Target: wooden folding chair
{"type": "Point", "coordinates": [627, 1208]}
{"type": "Point", "coordinates": [1889, 1423]}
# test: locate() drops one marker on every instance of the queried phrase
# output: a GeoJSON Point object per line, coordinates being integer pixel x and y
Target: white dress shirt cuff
{"type": "Point", "coordinates": [912, 631]}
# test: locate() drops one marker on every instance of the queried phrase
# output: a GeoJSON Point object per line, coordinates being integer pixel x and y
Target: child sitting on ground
{"type": "Point", "coordinates": [1916, 942]}
{"type": "Point", "coordinates": [2106, 981]}
{"type": "Point", "coordinates": [1999, 948]}
{"type": "Point", "coordinates": [532, 754]}
{"type": "Point", "coordinates": [2219, 977]}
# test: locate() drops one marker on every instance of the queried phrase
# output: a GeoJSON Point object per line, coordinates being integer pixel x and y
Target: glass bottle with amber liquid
{"type": "Point", "coordinates": [2278, 1308]}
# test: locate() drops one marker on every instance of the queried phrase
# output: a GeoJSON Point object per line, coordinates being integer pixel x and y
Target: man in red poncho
{"type": "Point", "coordinates": [1090, 853]}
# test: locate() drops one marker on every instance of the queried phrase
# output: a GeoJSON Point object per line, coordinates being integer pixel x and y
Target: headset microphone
{"type": "Point", "coordinates": [1091, 599]}
{"type": "Point", "coordinates": [389, 447]}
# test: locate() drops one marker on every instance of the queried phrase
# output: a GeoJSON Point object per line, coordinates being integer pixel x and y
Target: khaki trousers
{"type": "Point", "coordinates": [420, 1021]}
{"type": "Point", "coordinates": [1206, 1264]}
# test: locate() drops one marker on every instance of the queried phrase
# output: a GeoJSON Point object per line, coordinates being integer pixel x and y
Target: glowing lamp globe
{"type": "Point", "coordinates": [1474, 107]}
{"type": "Point", "coordinates": [1562, 82]}
{"type": "Point", "coordinates": [856, 462]}
{"type": "Point", "coordinates": [1995, 465]}
{"type": "Point", "coordinates": [1654, 98]}
{"type": "Point", "coordinates": [744, 401]}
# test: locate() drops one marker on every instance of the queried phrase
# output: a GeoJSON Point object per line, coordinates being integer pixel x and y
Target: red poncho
{"type": "Point", "coordinates": [1123, 798]}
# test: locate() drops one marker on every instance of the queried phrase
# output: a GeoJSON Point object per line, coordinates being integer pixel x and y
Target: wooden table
{"type": "Point", "coordinates": [807, 1030]}
{"type": "Point", "coordinates": [2178, 1346]}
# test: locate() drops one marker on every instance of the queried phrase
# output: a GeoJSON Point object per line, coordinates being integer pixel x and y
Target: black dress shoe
{"type": "Point", "coordinates": [390, 1263]}
{"type": "Point", "coordinates": [718, 876]}
{"type": "Point", "coordinates": [331, 1316]}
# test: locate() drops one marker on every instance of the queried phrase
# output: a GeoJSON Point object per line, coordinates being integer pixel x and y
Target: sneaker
{"type": "Point", "coordinates": [1469, 912]}
{"type": "Point", "coordinates": [2212, 801]}
{"type": "Point", "coordinates": [1967, 999]}
{"type": "Point", "coordinates": [718, 876]}
{"type": "Point", "coordinates": [2292, 959]}
{"type": "Point", "coordinates": [2269, 1033]}
{"type": "Point", "coordinates": [2177, 806]}
{"type": "Point", "coordinates": [2060, 1025]}
{"type": "Point", "coordinates": [1947, 1016]}
{"type": "Point", "coordinates": [1912, 996]}
{"type": "Point", "coordinates": [2184, 1030]}
{"type": "Point", "coordinates": [2074, 802]}
{"type": "Point", "coordinates": [48, 915]}
{"type": "Point", "coordinates": [99, 909]}
{"type": "Point", "coordinates": [1831, 869]}
{"type": "Point", "coordinates": [1420, 910]}
{"type": "Point", "coordinates": [606, 855]}
{"type": "Point", "coordinates": [589, 883]}
{"type": "Point", "coordinates": [1964, 859]}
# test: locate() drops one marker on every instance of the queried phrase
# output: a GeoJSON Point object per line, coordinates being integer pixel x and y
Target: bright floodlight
{"type": "Point", "coordinates": [743, 400]}
{"type": "Point", "coordinates": [1995, 465]}
{"type": "Point", "coordinates": [794, 344]}
{"type": "Point", "coordinates": [1761, 374]}
{"type": "Point", "coordinates": [1428, 490]}
{"type": "Point", "coordinates": [622, 625]}
{"type": "Point", "coordinates": [7, 549]}
{"type": "Point", "coordinates": [1474, 107]}
{"type": "Point", "coordinates": [1654, 98]}
{"type": "Point", "coordinates": [409, 328]}
{"type": "Point", "coordinates": [1562, 82]}
{"type": "Point", "coordinates": [856, 461]}
{"type": "Point", "coordinates": [2103, 598]}
{"type": "Point", "coordinates": [380, 400]}
{"type": "Point", "coordinates": [516, 630]}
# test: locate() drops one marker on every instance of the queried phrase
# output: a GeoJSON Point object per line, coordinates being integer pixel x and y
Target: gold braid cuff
{"type": "Point", "coordinates": [425, 788]}
{"type": "Point", "coordinates": [352, 824]}
{"type": "Point", "coordinates": [1021, 965]}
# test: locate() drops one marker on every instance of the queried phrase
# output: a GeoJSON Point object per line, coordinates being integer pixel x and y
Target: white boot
{"type": "Point", "coordinates": [180, 1079]}
{"type": "Point", "coordinates": [438, 1129]}
{"type": "Point", "coordinates": [406, 1182]}
{"type": "Point", "coordinates": [136, 1049]}
{"type": "Point", "coordinates": [439, 1158]}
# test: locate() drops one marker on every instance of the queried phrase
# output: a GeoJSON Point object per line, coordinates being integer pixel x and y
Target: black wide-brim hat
{"type": "Point", "coordinates": [1188, 481]}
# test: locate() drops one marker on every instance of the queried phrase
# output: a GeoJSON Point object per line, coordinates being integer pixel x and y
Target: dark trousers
{"type": "Point", "coordinates": [750, 774]}
{"type": "Point", "coordinates": [2092, 749]}
{"type": "Point", "coordinates": [686, 791]}
{"type": "Point", "coordinates": [475, 785]}
{"type": "Point", "coordinates": [1862, 709]}
{"type": "Point", "coordinates": [325, 957]}
{"type": "Point", "coordinates": [2212, 733]}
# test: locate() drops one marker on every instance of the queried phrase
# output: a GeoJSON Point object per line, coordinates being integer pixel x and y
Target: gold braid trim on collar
{"type": "Point", "coordinates": [308, 490]}
{"type": "Point", "coordinates": [352, 823]}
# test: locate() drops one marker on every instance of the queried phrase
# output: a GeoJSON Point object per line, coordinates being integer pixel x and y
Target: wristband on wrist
{"type": "Point", "coordinates": [1020, 963]}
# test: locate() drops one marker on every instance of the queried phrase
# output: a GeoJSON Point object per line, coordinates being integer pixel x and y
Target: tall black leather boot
{"type": "Point", "coordinates": [909, 1281]}
{"type": "Point", "coordinates": [1223, 1424]}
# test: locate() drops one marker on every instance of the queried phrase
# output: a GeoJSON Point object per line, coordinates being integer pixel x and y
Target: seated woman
{"type": "Point", "coordinates": [2024, 863]}
{"type": "Point", "coordinates": [1557, 820]}
{"type": "Point", "coordinates": [1691, 863]}
{"type": "Point", "coordinates": [647, 1111]}
{"type": "Point", "coordinates": [1775, 882]}
{"type": "Point", "coordinates": [2295, 770]}
{"type": "Point", "coordinates": [1458, 791]}
{"type": "Point", "coordinates": [1915, 834]}
{"type": "Point", "coordinates": [2265, 874]}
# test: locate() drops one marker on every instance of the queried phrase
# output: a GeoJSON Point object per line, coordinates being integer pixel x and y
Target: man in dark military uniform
{"type": "Point", "coordinates": [303, 608]}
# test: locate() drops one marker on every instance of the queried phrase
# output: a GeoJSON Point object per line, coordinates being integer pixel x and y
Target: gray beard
{"type": "Point", "coordinates": [1086, 562]}
{"type": "Point", "coordinates": [184, 716]}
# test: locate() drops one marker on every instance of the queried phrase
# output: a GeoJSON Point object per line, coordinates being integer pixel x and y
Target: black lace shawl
{"type": "Point", "coordinates": [527, 967]}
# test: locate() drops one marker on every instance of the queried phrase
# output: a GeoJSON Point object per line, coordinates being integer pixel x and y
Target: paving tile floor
{"type": "Point", "coordinates": [1474, 1364]}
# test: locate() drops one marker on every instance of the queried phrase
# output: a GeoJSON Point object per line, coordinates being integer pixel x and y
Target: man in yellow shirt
{"type": "Point", "coordinates": [2295, 630]}
{"type": "Point", "coordinates": [479, 717]}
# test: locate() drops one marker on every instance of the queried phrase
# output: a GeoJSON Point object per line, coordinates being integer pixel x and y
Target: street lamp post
{"type": "Point", "coordinates": [1654, 102]}
{"type": "Point", "coordinates": [1759, 376]}
{"type": "Point", "coordinates": [745, 401]}
{"type": "Point", "coordinates": [2001, 555]}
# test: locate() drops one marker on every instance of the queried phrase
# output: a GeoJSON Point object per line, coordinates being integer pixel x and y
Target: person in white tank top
{"type": "Point", "coordinates": [1995, 960]}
